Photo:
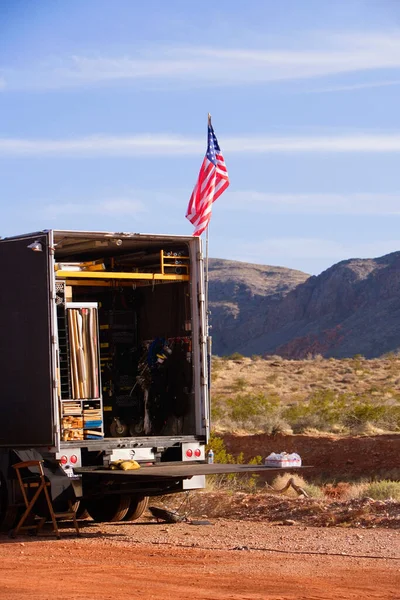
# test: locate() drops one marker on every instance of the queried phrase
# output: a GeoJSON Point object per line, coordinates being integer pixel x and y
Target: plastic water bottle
{"type": "Point", "coordinates": [210, 457]}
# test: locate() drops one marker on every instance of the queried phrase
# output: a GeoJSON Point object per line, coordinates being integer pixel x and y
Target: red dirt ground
{"type": "Point", "coordinates": [227, 560]}
{"type": "Point", "coordinates": [332, 457]}
{"type": "Point", "coordinates": [257, 547]}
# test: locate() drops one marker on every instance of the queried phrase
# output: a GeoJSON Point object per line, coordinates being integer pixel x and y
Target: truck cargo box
{"type": "Point", "coordinates": [103, 339]}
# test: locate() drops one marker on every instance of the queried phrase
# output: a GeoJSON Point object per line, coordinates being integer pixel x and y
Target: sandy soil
{"type": "Point", "coordinates": [256, 547]}
{"type": "Point", "coordinates": [227, 559]}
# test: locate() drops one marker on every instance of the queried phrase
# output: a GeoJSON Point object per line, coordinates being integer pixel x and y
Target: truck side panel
{"type": "Point", "coordinates": [26, 363]}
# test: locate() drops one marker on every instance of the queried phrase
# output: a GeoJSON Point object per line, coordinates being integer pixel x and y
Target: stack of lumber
{"type": "Point", "coordinates": [72, 408]}
{"type": "Point", "coordinates": [71, 422]}
{"type": "Point", "coordinates": [84, 352]}
{"type": "Point", "coordinates": [72, 434]}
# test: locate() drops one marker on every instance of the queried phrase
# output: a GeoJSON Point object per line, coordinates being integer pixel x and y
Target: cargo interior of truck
{"type": "Point", "coordinates": [124, 337]}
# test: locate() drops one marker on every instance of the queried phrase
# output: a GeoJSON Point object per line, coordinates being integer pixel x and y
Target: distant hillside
{"type": "Point", "coordinates": [240, 295]}
{"type": "Point", "coordinates": [351, 308]}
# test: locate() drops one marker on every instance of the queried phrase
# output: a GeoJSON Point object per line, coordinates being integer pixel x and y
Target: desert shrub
{"type": "Point", "coordinates": [383, 490]}
{"type": "Point", "coordinates": [339, 491]}
{"type": "Point", "coordinates": [327, 410]}
{"type": "Point", "coordinates": [217, 365]}
{"type": "Point", "coordinates": [218, 409]}
{"type": "Point", "coordinates": [256, 357]}
{"type": "Point", "coordinates": [234, 356]}
{"type": "Point", "coordinates": [273, 424]}
{"type": "Point", "coordinates": [363, 410]}
{"type": "Point", "coordinates": [217, 445]}
{"type": "Point", "coordinates": [323, 410]}
{"type": "Point", "coordinates": [247, 482]}
{"type": "Point", "coordinates": [239, 384]}
{"type": "Point", "coordinates": [245, 408]}
{"type": "Point", "coordinates": [353, 490]}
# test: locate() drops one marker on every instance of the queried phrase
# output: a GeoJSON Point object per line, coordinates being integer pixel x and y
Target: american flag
{"type": "Point", "coordinates": [213, 180]}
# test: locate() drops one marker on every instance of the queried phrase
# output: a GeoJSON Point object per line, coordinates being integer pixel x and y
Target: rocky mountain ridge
{"type": "Point", "coordinates": [351, 308]}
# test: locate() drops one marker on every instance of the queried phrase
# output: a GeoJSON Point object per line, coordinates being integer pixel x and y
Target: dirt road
{"type": "Point", "coordinates": [225, 560]}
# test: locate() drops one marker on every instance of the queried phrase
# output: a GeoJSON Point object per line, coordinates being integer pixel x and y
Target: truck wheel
{"type": "Point", "coordinates": [9, 518]}
{"type": "Point", "coordinates": [136, 508]}
{"type": "Point", "coordinates": [82, 512]}
{"type": "Point", "coordinates": [9, 513]}
{"type": "Point", "coordinates": [108, 509]}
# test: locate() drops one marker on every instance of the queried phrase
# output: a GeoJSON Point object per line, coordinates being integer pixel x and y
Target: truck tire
{"type": "Point", "coordinates": [9, 518]}
{"type": "Point", "coordinates": [108, 509]}
{"type": "Point", "coordinates": [82, 512]}
{"type": "Point", "coordinates": [136, 508]}
{"type": "Point", "coordinates": [9, 513]}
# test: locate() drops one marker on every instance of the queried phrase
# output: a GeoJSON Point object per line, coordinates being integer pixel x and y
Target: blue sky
{"type": "Point", "coordinates": [103, 115]}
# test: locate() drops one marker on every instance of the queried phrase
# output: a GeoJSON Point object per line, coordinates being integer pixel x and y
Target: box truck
{"type": "Point", "coordinates": [103, 348]}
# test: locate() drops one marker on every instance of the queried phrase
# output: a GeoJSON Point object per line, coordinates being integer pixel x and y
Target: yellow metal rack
{"type": "Point", "coordinates": [174, 266]}
{"type": "Point", "coordinates": [174, 261]}
{"type": "Point", "coordinates": [107, 275]}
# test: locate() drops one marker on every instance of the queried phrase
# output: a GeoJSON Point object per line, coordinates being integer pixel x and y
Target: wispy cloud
{"type": "Point", "coordinates": [98, 145]}
{"type": "Point", "coordinates": [318, 56]}
{"type": "Point", "coordinates": [285, 249]}
{"type": "Point", "coordinates": [112, 207]}
{"type": "Point", "coordinates": [354, 87]}
{"type": "Point", "coordinates": [330, 204]}
{"type": "Point", "coordinates": [174, 145]}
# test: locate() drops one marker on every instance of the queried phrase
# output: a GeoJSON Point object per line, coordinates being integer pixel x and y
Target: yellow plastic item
{"type": "Point", "coordinates": [125, 465]}
{"type": "Point", "coordinates": [129, 465]}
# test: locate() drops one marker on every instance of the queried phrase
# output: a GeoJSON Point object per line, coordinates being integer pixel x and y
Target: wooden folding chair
{"type": "Point", "coordinates": [39, 482]}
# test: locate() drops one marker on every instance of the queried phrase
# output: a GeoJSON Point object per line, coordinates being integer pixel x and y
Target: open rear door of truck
{"type": "Point", "coordinates": [26, 350]}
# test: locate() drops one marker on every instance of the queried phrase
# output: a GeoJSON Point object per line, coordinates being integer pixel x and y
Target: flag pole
{"type": "Point", "coordinates": [206, 275]}
{"type": "Point", "coordinates": [208, 343]}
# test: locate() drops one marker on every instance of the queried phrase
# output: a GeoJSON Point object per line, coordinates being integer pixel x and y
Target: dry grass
{"type": "Point", "coordinates": [294, 380]}
{"type": "Point", "coordinates": [276, 395]}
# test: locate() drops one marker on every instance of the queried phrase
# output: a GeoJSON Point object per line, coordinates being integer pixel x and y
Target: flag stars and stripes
{"type": "Point", "coordinates": [212, 181]}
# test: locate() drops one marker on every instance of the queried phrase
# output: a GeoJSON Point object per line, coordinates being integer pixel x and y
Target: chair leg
{"type": "Point", "coordinates": [53, 518]}
{"type": "Point", "coordinates": [41, 523]}
{"type": "Point", "coordinates": [74, 518]}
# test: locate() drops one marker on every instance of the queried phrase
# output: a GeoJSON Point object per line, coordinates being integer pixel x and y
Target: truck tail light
{"type": "Point", "coordinates": [63, 460]}
{"type": "Point", "coordinates": [197, 452]}
{"type": "Point", "coordinates": [189, 453]}
{"type": "Point", "coordinates": [73, 459]}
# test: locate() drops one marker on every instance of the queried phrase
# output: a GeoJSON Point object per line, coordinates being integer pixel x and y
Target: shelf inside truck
{"type": "Point", "coordinates": [127, 276]}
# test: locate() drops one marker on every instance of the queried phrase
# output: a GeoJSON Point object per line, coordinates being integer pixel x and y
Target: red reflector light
{"type": "Point", "coordinates": [63, 460]}
{"type": "Point", "coordinates": [73, 459]}
{"type": "Point", "coordinates": [197, 452]}
{"type": "Point", "coordinates": [189, 453]}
